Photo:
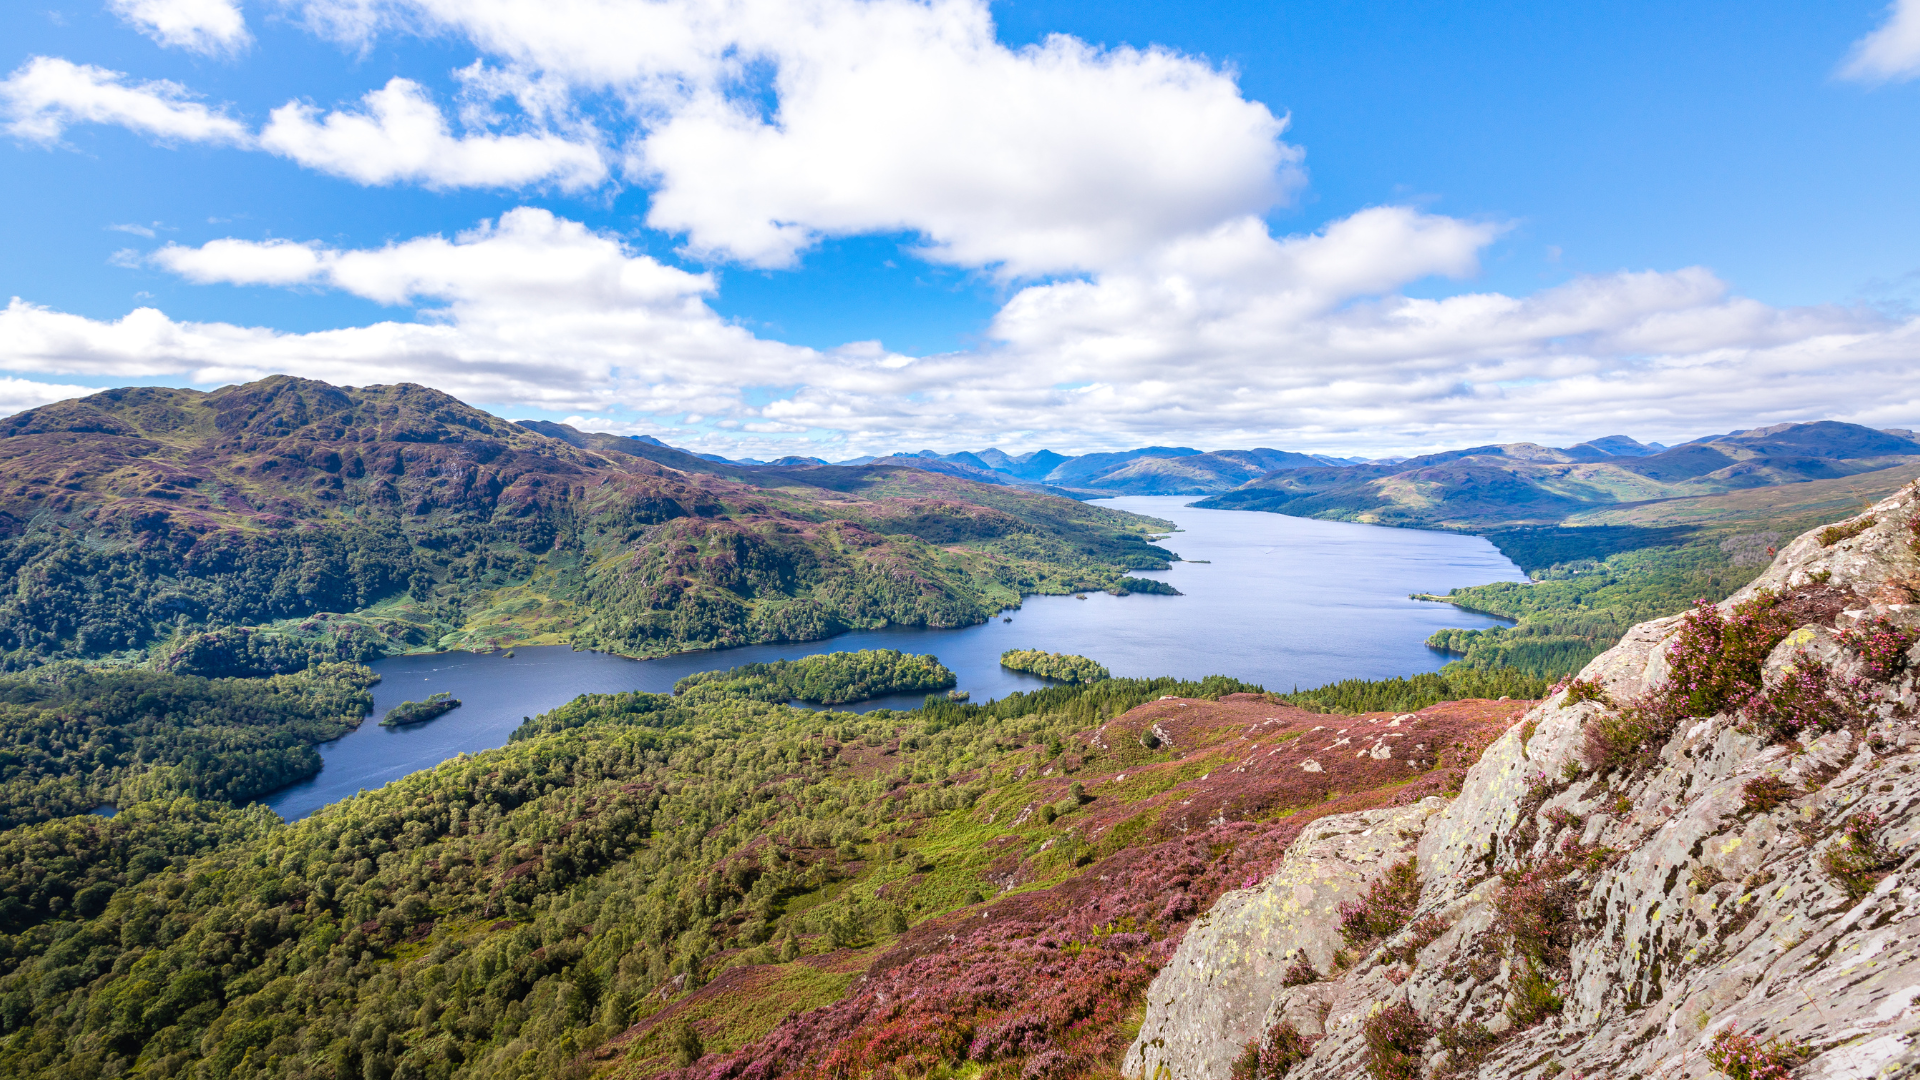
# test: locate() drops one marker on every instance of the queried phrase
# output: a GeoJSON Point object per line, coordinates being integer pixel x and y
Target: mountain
{"type": "Point", "coordinates": [1195, 474]}
{"type": "Point", "coordinates": [263, 527]}
{"type": "Point", "coordinates": [1517, 483]}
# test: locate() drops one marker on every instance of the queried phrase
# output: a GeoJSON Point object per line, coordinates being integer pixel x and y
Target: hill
{"type": "Point", "coordinates": [1524, 483]}
{"type": "Point", "coordinates": [638, 883]}
{"type": "Point", "coordinates": [346, 522]}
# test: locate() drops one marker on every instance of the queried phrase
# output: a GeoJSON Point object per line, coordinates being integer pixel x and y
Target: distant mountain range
{"type": "Point", "coordinates": [1520, 483]}
{"type": "Point", "coordinates": [1478, 486]}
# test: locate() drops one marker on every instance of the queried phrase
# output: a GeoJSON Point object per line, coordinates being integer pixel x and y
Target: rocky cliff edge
{"type": "Point", "coordinates": [1701, 857]}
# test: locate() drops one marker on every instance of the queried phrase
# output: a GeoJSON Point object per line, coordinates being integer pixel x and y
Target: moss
{"type": "Point", "coordinates": [1846, 530]}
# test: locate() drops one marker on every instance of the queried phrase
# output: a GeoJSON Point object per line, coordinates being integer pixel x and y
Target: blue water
{"type": "Point", "coordinates": [1278, 601]}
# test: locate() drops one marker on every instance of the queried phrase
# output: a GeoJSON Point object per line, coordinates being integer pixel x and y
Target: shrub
{"type": "Point", "coordinates": [1845, 530]}
{"type": "Point", "coordinates": [1808, 697]}
{"type": "Point", "coordinates": [684, 1042]}
{"type": "Point", "coordinates": [1881, 644]}
{"type": "Point", "coordinates": [1272, 1056]}
{"type": "Point", "coordinates": [1743, 1057]}
{"type": "Point", "coordinates": [1467, 1045]}
{"type": "Point", "coordinates": [1860, 862]}
{"type": "Point", "coordinates": [1715, 661]}
{"type": "Point", "coordinates": [1422, 934]}
{"type": "Point", "coordinates": [1628, 736]}
{"type": "Point", "coordinates": [1388, 905]}
{"type": "Point", "coordinates": [1763, 793]}
{"type": "Point", "coordinates": [1533, 999]}
{"type": "Point", "coordinates": [1395, 1034]}
{"type": "Point", "coordinates": [1714, 664]}
{"type": "Point", "coordinates": [1301, 971]}
{"type": "Point", "coordinates": [1579, 690]}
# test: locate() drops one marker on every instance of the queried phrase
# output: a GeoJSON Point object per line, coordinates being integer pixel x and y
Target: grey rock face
{"type": "Point", "coordinates": [1696, 915]}
{"type": "Point", "coordinates": [1208, 1003]}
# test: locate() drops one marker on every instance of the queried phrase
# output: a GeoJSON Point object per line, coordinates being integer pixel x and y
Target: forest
{"type": "Point", "coordinates": [73, 739]}
{"type": "Point", "coordinates": [1574, 610]}
{"type": "Point", "coordinates": [512, 913]}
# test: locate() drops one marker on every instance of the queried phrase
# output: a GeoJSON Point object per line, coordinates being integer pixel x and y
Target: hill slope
{"type": "Point", "coordinates": [1522, 483]}
{"type": "Point", "coordinates": [355, 521]}
{"type": "Point", "coordinates": [1697, 861]}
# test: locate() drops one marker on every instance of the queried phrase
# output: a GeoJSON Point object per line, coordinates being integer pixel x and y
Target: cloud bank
{"type": "Point", "coordinates": [1232, 337]}
{"type": "Point", "coordinates": [1118, 194]}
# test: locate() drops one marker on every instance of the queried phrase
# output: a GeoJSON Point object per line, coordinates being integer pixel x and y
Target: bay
{"type": "Point", "coordinates": [1280, 601]}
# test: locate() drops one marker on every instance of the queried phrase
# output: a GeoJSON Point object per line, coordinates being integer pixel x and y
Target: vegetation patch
{"type": "Point", "coordinates": [1536, 915]}
{"type": "Point", "coordinates": [1395, 1034]}
{"type": "Point", "coordinates": [1389, 903]}
{"type": "Point", "coordinates": [1859, 861]}
{"type": "Point", "coordinates": [1065, 667]}
{"type": "Point", "coordinates": [1415, 692]}
{"type": "Point", "coordinates": [834, 678]}
{"type": "Point", "coordinates": [1714, 664]}
{"type": "Point", "coordinates": [1762, 793]}
{"type": "Point", "coordinates": [1271, 1056]}
{"type": "Point", "coordinates": [1846, 530]}
{"type": "Point", "coordinates": [1881, 644]}
{"type": "Point", "coordinates": [419, 712]}
{"type": "Point", "coordinates": [1740, 1056]}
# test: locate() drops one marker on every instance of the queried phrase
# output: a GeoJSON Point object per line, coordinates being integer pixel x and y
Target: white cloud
{"type": "Point", "coordinates": [531, 310]}
{"type": "Point", "coordinates": [1891, 52]}
{"type": "Point", "coordinates": [401, 136]}
{"type": "Point", "coordinates": [17, 395]}
{"type": "Point", "coordinates": [766, 124]}
{"type": "Point", "coordinates": [48, 94]}
{"type": "Point", "coordinates": [203, 26]}
{"type": "Point", "coordinates": [135, 229]}
{"type": "Point", "coordinates": [1229, 338]}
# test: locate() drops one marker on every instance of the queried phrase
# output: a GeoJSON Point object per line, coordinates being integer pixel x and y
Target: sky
{"type": "Point", "coordinates": [842, 227]}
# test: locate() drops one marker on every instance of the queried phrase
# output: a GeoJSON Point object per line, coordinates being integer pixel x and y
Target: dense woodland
{"type": "Point", "coordinates": [834, 678]}
{"type": "Point", "coordinates": [506, 913]}
{"type": "Point", "coordinates": [73, 739]}
{"type": "Point", "coordinates": [1574, 610]}
{"type": "Point", "coordinates": [1065, 667]}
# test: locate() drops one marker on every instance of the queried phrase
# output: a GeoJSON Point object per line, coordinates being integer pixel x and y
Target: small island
{"type": "Point", "coordinates": [836, 678]}
{"type": "Point", "coordinates": [419, 712]}
{"type": "Point", "coordinates": [1065, 667]}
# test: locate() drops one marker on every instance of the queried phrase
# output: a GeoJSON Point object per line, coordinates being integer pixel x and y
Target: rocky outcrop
{"type": "Point", "coordinates": [1209, 1002]}
{"type": "Point", "coordinates": [1623, 889]}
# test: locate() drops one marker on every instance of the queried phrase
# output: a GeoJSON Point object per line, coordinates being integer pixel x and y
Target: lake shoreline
{"type": "Point", "coordinates": [1269, 599]}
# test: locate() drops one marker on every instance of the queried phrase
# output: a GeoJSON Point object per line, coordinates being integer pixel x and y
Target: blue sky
{"type": "Point", "coordinates": [1346, 227]}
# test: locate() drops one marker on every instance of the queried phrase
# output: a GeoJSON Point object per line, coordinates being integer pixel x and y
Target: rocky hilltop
{"type": "Point", "coordinates": [1698, 858]}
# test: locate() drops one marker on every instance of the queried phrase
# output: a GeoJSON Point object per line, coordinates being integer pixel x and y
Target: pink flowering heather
{"type": "Point", "coordinates": [1743, 1057]}
{"type": "Point", "coordinates": [1715, 660]}
{"type": "Point", "coordinates": [1881, 644]}
{"type": "Point", "coordinates": [1808, 698]}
